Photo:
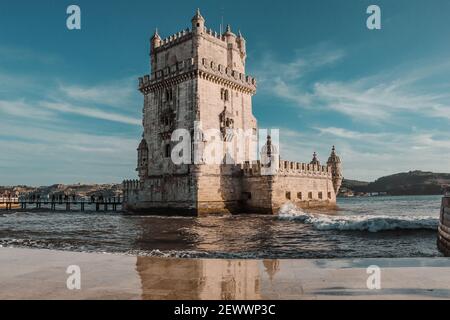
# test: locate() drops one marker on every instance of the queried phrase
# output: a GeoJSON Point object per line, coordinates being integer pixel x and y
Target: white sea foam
{"type": "Point", "coordinates": [371, 223]}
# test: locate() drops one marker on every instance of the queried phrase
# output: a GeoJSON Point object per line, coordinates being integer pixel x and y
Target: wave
{"type": "Point", "coordinates": [156, 253]}
{"type": "Point", "coordinates": [371, 223]}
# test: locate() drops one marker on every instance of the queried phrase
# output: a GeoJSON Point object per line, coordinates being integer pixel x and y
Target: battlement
{"type": "Point", "coordinates": [207, 69]}
{"type": "Point", "coordinates": [180, 68]}
{"type": "Point", "coordinates": [174, 39]}
{"type": "Point", "coordinates": [289, 168]}
{"type": "Point", "coordinates": [186, 34]}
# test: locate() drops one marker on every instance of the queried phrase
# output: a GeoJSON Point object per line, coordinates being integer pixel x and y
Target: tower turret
{"type": "Point", "coordinates": [242, 45]}
{"type": "Point", "coordinates": [142, 167]}
{"type": "Point", "coordinates": [230, 37]}
{"type": "Point", "coordinates": [198, 23]}
{"type": "Point", "coordinates": [270, 158]}
{"type": "Point", "coordinates": [315, 160]}
{"type": "Point", "coordinates": [336, 169]}
{"type": "Point", "coordinates": [155, 40]}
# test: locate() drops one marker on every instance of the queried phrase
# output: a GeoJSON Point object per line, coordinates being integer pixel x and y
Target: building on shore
{"type": "Point", "coordinates": [197, 85]}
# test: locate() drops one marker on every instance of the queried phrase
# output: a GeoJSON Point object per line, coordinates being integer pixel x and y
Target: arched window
{"type": "Point", "coordinates": [143, 157]}
{"type": "Point", "coordinates": [169, 94]}
{"type": "Point", "coordinates": [167, 150]}
{"type": "Point", "coordinates": [224, 95]}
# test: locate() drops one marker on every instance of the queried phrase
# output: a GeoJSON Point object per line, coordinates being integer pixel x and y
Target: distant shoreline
{"type": "Point", "coordinates": [388, 195]}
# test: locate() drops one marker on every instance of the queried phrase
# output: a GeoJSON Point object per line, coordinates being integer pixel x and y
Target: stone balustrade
{"type": "Point", "coordinates": [289, 168]}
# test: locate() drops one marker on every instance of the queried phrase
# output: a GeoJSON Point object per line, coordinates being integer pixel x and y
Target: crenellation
{"type": "Point", "coordinates": [174, 39]}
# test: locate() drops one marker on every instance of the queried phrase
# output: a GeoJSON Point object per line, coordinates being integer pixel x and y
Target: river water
{"type": "Point", "coordinates": [362, 227]}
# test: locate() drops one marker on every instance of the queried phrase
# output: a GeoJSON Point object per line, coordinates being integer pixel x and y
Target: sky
{"type": "Point", "coordinates": [70, 111]}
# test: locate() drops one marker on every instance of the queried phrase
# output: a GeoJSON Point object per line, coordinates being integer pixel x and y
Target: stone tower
{"type": "Point", "coordinates": [336, 169]}
{"type": "Point", "coordinates": [197, 82]}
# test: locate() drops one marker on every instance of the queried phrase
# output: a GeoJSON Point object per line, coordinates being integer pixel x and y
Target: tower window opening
{"type": "Point", "coordinates": [224, 94]}
{"type": "Point", "coordinates": [169, 95]}
{"type": "Point", "coordinates": [288, 195]}
{"type": "Point", "coordinates": [320, 195]}
{"type": "Point", "coordinates": [310, 195]}
{"type": "Point", "coordinates": [167, 151]}
{"type": "Point", "coordinates": [299, 195]}
{"type": "Point", "coordinates": [329, 195]}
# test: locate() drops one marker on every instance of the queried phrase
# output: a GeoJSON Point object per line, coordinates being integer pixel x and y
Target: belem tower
{"type": "Point", "coordinates": [197, 85]}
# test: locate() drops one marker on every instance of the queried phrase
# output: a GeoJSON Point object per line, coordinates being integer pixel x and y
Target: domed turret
{"type": "Point", "coordinates": [155, 40]}
{"type": "Point", "coordinates": [142, 159]}
{"type": "Point", "coordinates": [230, 37]}
{"type": "Point", "coordinates": [270, 158]}
{"type": "Point", "coordinates": [336, 169]}
{"type": "Point", "coordinates": [242, 45]}
{"type": "Point", "coordinates": [269, 149]}
{"type": "Point", "coordinates": [198, 22]}
{"type": "Point", "coordinates": [315, 160]}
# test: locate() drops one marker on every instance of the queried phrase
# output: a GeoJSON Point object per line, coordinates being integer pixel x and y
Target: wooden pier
{"type": "Point", "coordinates": [62, 204]}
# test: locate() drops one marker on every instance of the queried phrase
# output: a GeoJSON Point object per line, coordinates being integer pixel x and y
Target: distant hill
{"type": "Point", "coordinates": [406, 183]}
{"type": "Point", "coordinates": [84, 190]}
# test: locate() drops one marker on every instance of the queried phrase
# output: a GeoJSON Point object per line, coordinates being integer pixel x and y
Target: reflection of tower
{"type": "Point", "coordinates": [230, 280]}
{"type": "Point", "coordinates": [198, 279]}
{"type": "Point", "coordinates": [272, 267]}
{"type": "Point", "coordinates": [170, 278]}
{"type": "Point", "coordinates": [336, 169]}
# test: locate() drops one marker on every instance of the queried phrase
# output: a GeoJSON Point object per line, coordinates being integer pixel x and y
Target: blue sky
{"type": "Point", "coordinates": [70, 111]}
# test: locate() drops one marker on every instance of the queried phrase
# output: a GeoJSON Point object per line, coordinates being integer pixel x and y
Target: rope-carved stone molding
{"type": "Point", "coordinates": [188, 69]}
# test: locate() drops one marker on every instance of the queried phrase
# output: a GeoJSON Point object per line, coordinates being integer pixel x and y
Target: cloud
{"type": "Point", "coordinates": [381, 123]}
{"type": "Point", "coordinates": [90, 112]}
{"type": "Point", "coordinates": [283, 79]}
{"type": "Point", "coordinates": [42, 142]}
{"type": "Point", "coordinates": [368, 156]}
{"type": "Point", "coordinates": [13, 53]}
{"type": "Point", "coordinates": [378, 102]}
{"type": "Point", "coordinates": [33, 155]}
{"type": "Point", "coordinates": [373, 98]}
{"type": "Point", "coordinates": [121, 94]}
{"type": "Point", "coordinates": [22, 109]}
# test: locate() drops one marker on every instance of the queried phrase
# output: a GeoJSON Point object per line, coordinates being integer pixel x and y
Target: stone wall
{"type": "Point", "coordinates": [444, 227]}
{"type": "Point", "coordinates": [219, 189]}
{"type": "Point", "coordinates": [168, 195]}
